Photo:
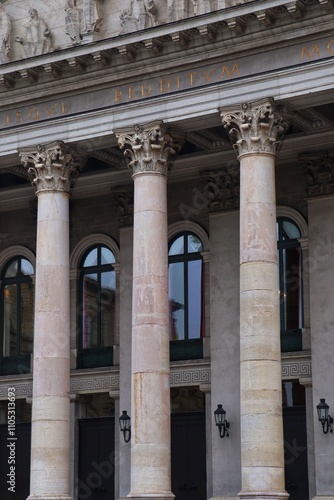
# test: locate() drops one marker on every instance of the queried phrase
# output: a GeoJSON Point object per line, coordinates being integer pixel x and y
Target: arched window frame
{"type": "Point", "coordinates": [292, 339]}
{"type": "Point", "coordinates": [15, 362]}
{"type": "Point", "coordinates": [101, 356]}
{"type": "Point", "coordinates": [190, 348]}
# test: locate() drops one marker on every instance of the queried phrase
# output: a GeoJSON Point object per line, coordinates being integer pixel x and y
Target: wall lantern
{"type": "Point", "coordinates": [125, 427]}
{"type": "Point", "coordinates": [221, 421]}
{"type": "Point", "coordinates": [325, 419]}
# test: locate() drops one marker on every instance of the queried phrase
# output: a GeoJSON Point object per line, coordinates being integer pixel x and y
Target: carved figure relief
{"type": "Point", "coordinates": [140, 15]}
{"type": "Point", "coordinates": [177, 9]}
{"type": "Point", "coordinates": [36, 38]}
{"type": "Point", "coordinates": [74, 22]}
{"type": "Point", "coordinates": [202, 7]}
{"type": "Point", "coordinates": [92, 15]}
{"type": "Point", "coordinates": [5, 30]}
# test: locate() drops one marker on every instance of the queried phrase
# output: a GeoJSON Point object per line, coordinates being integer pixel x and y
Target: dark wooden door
{"type": "Point", "coordinates": [188, 456]}
{"type": "Point", "coordinates": [96, 459]}
{"type": "Point", "coordinates": [295, 453]}
{"type": "Point", "coordinates": [22, 462]}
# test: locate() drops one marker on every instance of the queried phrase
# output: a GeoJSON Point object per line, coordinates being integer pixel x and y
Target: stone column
{"type": "Point", "coordinates": [256, 129]}
{"type": "Point", "coordinates": [51, 169]}
{"type": "Point", "coordinates": [151, 150]}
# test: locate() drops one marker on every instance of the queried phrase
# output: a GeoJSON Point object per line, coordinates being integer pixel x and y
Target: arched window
{"type": "Point", "coordinates": [186, 315]}
{"type": "Point", "coordinates": [97, 292]}
{"type": "Point", "coordinates": [290, 284]}
{"type": "Point", "coordinates": [17, 315]}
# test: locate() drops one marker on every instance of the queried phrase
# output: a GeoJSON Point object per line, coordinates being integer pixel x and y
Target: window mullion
{"type": "Point", "coordinates": [18, 318]}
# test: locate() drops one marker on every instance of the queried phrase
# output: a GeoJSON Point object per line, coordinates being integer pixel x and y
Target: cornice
{"type": "Point", "coordinates": [235, 28]}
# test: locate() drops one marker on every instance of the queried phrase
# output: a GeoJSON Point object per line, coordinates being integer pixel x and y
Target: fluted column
{"type": "Point", "coordinates": [256, 130]}
{"type": "Point", "coordinates": [51, 169]}
{"type": "Point", "coordinates": [151, 150]}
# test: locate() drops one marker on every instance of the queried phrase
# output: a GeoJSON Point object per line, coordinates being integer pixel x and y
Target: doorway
{"type": "Point", "coordinates": [188, 456]}
{"type": "Point", "coordinates": [96, 459]}
{"type": "Point", "coordinates": [295, 441]}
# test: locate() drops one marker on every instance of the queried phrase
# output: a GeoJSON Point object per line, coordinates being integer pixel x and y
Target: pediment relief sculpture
{"type": "Point", "coordinates": [139, 15]}
{"type": "Point", "coordinates": [5, 31]}
{"type": "Point", "coordinates": [36, 36]}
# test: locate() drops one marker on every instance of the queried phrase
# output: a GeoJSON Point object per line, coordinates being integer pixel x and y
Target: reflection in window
{"type": "Point", "coordinates": [17, 308]}
{"type": "Point", "coordinates": [97, 307]}
{"type": "Point", "coordinates": [186, 288]}
{"type": "Point", "coordinates": [290, 275]}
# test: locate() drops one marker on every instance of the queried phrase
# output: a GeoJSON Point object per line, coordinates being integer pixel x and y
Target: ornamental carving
{"type": "Point", "coordinates": [222, 187]}
{"type": "Point", "coordinates": [318, 171]}
{"type": "Point", "coordinates": [139, 15]}
{"type": "Point", "coordinates": [124, 198]}
{"type": "Point", "coordinates": [257, 127]}
{"type": "Point", "coordinates": [153, 147]}
{"type": "Point", "coordinates": [36, 36]}
{"type": "Point", "coordinates": [51, 167]}
{"type": "Point", "coordinates": [5, 31]}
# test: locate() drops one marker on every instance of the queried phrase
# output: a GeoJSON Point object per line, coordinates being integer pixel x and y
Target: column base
{"type": "Point", "coordinates": [263, 495]}
{"type": "Point", "coordinates": [49, 497]}
{"type": "Point", "coordinates": [326, 497]}
{"type": "Point", "coordinates": [151, 496]}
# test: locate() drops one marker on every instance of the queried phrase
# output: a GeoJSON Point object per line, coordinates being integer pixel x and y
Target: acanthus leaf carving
{"type": "Point", "coordinates": [257, 127]}
{"type": "Point", "coordinates": [153, 147]}
{"type": "Point", "coordinates": [51, 167]}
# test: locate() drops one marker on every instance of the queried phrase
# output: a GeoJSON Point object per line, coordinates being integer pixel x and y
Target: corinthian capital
{"type": "Point", "coordinates": [151, 148]}
{"type": "Point", "coordinates": [256, 127]}
{"type": "Point", "coordinates": [51, 167]}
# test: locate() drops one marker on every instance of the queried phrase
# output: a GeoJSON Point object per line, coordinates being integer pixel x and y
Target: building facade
{"type": "Point", "coordinates": [166, 249]}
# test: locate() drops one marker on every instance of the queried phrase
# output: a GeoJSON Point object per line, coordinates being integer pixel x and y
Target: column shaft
{"type": "Point", "coordinates": [150, 453]}
{"type": "Point", "coordinates": [260, 361]}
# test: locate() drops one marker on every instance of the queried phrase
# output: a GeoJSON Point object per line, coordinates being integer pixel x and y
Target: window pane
{"type": "Point", "coordinates": [91, 259]}
{"type": "Point", "coordinates": [26, 267]}
{"type": "Point", "coordinates": [90, 311]}
{"type": "Point", "coordinates": [12, 270]}
{"type": "Point", "coordinates": [177, 247]}
{"type": "Point", "coordinates": [194, 299]}
{"type": "Point", "coordinates": [107, 257]}
{"type": "Point", "coordinates": [107, 303]}
{"type": "Point", "coordinates": [292, 288]}
{"type": "Point", "coordinates": [176, 301]}
{"type": "Point", "coordinates": [26, 317]}
{"type": "Point", "coordinates": [194, 244]}
{"type": "Point", "coordinates": [290, 231]}
{"type": "Point", "coordinates": [10, 321]}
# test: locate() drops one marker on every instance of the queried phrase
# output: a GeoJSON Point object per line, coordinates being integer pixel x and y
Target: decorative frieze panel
{"type": "Point", "coordinates": [318, 171]}
{"type": "Point", "coordinates": [296, 367]}
{"type": "Point", "coordinates": [222, 187]}
{"type": "Point", "coordinates": [186, 374]}
{"type": "Point", "coordinates": [55, 25]}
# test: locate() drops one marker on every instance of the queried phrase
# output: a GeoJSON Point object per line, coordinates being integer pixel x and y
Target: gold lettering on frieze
{"type": "Point", "coordinates": [33, 114]}
{"type": "Point", "coordinates": [146, 90]}
{"type": "Point", "coordinates": [51, 111]}
{"type": "Point", "coordinates": [64, 109]}
{"type": "Point", "coordinates": [306, 53]}
{"type": "Point", "coordinates": [191, 77]}
{"type": "Point", "coordinates": [19, 118]}
{"type": "Point", "coordinates": [230, 72]}
{"type": "Point", "coordinates": [208, 76]}
{"type": "Point", "coordinates": [178, 82]}
{"type": "Point", "coordinates": [118, 95]}
{"type": "Point", "coordinates": [164, 85]}
{"type": "Point", "coordinates": [329, 47]}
